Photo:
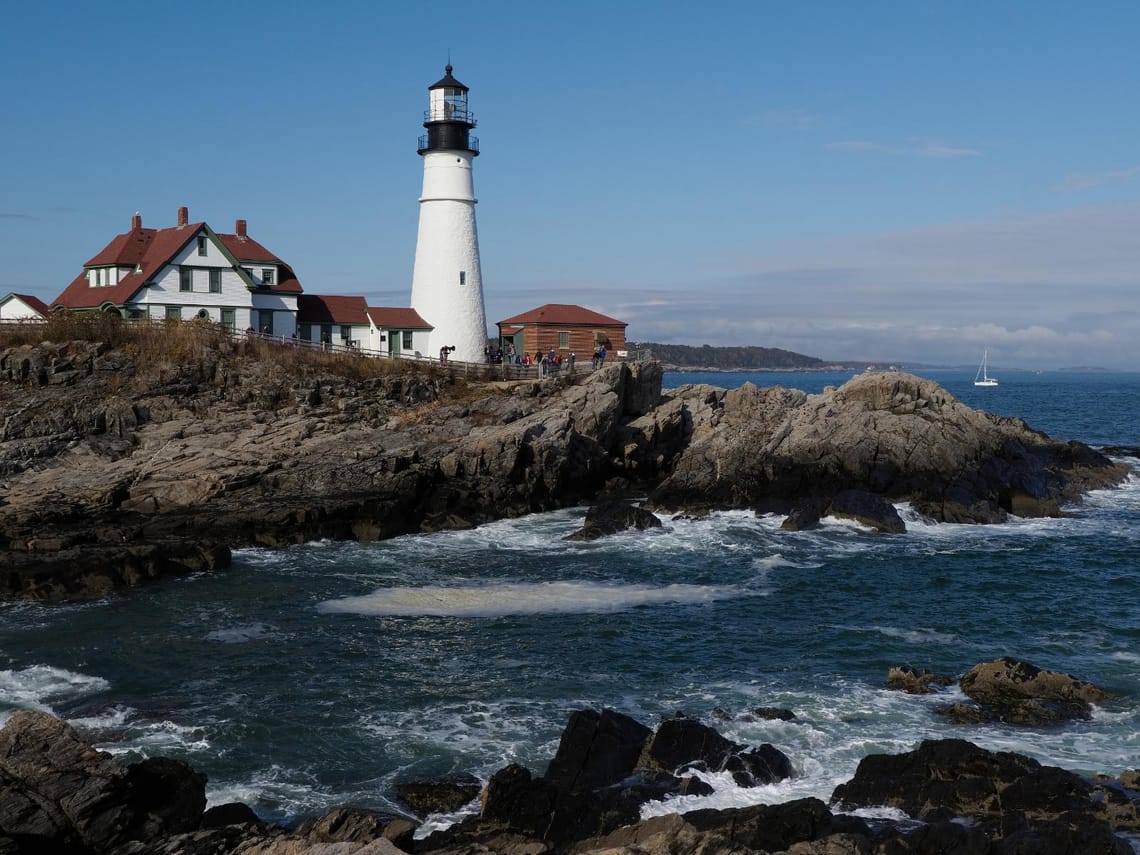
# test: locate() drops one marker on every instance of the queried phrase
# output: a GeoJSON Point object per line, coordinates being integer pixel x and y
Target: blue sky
{"type": "Point", "coordinates": [880, 181]}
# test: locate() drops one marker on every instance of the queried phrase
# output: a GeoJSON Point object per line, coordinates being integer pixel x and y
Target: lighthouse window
{"type": "Point", "coordinates": [453, 103]}
{"type": "Point", "coordinates": [462, 277]}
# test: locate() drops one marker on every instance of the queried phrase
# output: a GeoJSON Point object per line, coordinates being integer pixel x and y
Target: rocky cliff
{"type": "Point", "coordinates": [113, 472]}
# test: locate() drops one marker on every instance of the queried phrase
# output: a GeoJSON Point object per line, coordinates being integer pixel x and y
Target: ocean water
{"type": "Point", "coordinates": [323, 674]}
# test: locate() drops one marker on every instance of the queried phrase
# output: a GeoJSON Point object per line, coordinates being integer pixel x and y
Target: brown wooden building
{"type": "Point", "coordinates": [565, 329]}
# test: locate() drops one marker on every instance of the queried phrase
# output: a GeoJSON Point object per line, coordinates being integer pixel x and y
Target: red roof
{"type": "Point", "coordinates": [34, 302]}
{"type": "Point", "coordinates": [320, 309]}
{"type": "Point", "coordinates": [395, 318]}
{"type": "Point", "coordinates": [153, 249]}
{"type": "Point", "coordinates": [564, 314]}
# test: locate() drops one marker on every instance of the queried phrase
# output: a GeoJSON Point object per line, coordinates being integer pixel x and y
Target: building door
{"type": "Point", "coordinates": [229, 319]}
{"type": "Point", "coordinates": [394, 342]}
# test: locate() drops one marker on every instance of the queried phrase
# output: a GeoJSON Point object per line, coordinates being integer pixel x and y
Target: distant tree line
{"type": "Point", "coordinates": [727, 358]}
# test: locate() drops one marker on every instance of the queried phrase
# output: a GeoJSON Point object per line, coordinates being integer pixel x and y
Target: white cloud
{"type": "Point", "coordinates": [1042, 291]}
{"type": "Point", "coordinates": [1088, 181]}
{"type": "Point", "coordinates": [916, 148]}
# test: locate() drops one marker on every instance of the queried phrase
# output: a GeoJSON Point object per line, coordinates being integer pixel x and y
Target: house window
{"type": "Point", "coordinates": [406, 340]}
{"type": "Point", "coordinates": [267, 275]}
{"type": "Point", "coordinates": [305, 332]}
{"type": "Point", "coordinates": [248, 271]}
{"type": "Point", "coordinates": [174, 313]}
{"type": "Point", "coordinates": [229, 319]}
{"type": "Point", "coordinates": [203, 315]}
{"type": "Point", "coordinates": [185, 280]}
{"type": "Point", "coordinates": [345, 333]}
{"type": "Point", "coordinates": [215, 282]}
{"type": "Point", "coordinates": [563, 340]}
{"type": "Point", "coordinates": [201, 244]}
{"type": "Point", "coordinates": [462, 277]}
{"type": "Point", "coordinates": [98, 276]}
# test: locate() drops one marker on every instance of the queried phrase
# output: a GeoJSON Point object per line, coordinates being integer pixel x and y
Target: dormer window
{"type": "Point", "coordinates": [201, 245]}
{"type": "Point", "coordinates": [267, 275]}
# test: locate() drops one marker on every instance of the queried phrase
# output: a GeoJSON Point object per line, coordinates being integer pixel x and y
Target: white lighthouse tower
{"type": "Point", "coordinates": [447, 284]}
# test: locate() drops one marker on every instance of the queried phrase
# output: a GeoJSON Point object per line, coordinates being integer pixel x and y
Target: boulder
{"type": "Point", "coordinates": [914, 682]}
{"type": "Point", "coordinates": [951, 777]}
{"type": "Point", "coordinates": [612, 517]}
{"type": "Point", "coordinates": [774, 713]}
{"type": "Point", "coordinates": [58, 793]}
{"type": "Point", "coordinates": [441, 795]}
{"type": "Point", "coordinates": [867, 508]}
{"type": "Point", "coordinates": [596, 750]}
{"type": "Point", "coordinates": [1013, 691]}
{"type": "Point", "coordinates": [805, 514]}
{"type": "Point", "coordinates": [681, 744]}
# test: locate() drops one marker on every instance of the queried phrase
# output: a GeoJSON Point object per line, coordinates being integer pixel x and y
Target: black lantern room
{"type": "Point", "coordinates": [447, 119]}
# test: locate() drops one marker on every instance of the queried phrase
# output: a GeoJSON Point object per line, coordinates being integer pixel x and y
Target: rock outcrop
{"type": "Point", "coordinates": [1013, 691]}
{"type": "Point", "coordinates": [57, 794]}
{"type": "Point", "coordinates": [114, 471]}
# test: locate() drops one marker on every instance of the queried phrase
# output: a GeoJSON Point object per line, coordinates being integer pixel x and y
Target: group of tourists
{"type": "Point", "coordinates": [548, 363]}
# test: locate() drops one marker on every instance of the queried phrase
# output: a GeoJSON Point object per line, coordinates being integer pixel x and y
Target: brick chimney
{"type": "Point", "coordinates": [136, 221]}
{"type": "Point", "coordinates": [183, 216]}
{"type": "Point", "coordinates": [239, 228]}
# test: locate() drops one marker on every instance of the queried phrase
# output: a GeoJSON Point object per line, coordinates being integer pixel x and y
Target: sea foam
{"type": "Point", "coordinates": [518, 598]}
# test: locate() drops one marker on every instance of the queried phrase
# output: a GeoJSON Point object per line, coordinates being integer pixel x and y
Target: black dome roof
{"type": "Point", "coordinates": [447, 81]}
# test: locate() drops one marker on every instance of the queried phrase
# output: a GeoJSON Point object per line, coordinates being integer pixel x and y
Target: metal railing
{"type": "Point", "coordinates": [484, 369]}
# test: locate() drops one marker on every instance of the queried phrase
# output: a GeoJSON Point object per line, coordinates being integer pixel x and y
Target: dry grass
{"type": "Point", "coordinates": [158, 345]}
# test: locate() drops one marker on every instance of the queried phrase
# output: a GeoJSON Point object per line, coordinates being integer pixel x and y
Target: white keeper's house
{"type": "Point", "coordinates": [190, 272]}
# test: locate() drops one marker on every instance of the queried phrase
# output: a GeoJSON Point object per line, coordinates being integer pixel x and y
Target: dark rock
{"type": "Point", "coordinates": [951, 777]}
{"type": "Point", "coordinates": [596, 750]}
{"type": "Point", "coordinates": [230, 813]}
{"type": "Point", "coordinates": [443, 795]}
{"type": "Point", "coordinates": [774, 713]}
{"type": "Point", "coordinates": [57, 792]}
{"type": "Point", "coordinates": [533, 807]}
{"type": "Point", "coordinates": [685, 743]}
{"type": "Point", "coordinates": [868, 509]}
{"type": "Point", "coordinates": [609, 518]}
{"type": "Point", "coordinates": [805, 514]}
{"type": "Point", "coordinates": [764, 764]}
{"type": "Point", "coordinates": [168, 793]}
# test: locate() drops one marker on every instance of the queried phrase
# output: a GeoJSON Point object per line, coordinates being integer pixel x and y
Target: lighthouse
{"type": "Point", "coordinates": [447, 284]}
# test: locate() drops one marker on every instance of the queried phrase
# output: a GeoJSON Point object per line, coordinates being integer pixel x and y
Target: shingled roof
{"type": "Point", "coordinates": [395, 318]}
{"type": "Point", "coordinates": [564, 314]}
{"type": "Point", "coordinates": [322, 309]}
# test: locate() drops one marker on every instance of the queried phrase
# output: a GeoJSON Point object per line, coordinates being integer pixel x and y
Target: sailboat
{"type": "Point", "coordinates": [982, 378]}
